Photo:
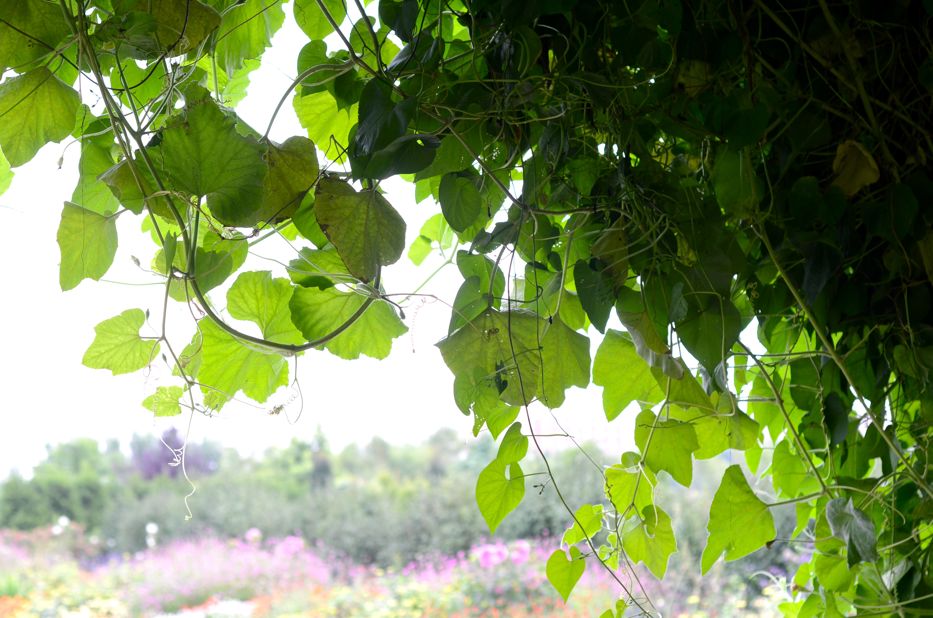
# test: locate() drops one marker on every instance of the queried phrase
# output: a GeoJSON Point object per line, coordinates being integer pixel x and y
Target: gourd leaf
{"type": "Point", "coordinates": [739, 522]}
{"type": "Point", "coordinates": [366, 231]}
{"type": "Point", "coordinates": [88, 243]}
{"type": "Point", "coordinates": [35, 108]}
{"type": "Point", "coordinates": [117, 345]}
{"type": "Point", "coordinates": [500, 488]}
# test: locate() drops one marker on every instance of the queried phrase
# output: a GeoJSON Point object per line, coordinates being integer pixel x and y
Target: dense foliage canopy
{"type": "Point", "coordinates": [695, 167]}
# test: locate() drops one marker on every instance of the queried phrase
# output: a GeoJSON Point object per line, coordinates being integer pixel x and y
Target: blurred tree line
{"type": "Point", "coordinates": [380, 503]}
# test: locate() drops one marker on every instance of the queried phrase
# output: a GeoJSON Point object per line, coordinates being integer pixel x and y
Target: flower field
{"type": "Point", "coordinates": [57, 574]}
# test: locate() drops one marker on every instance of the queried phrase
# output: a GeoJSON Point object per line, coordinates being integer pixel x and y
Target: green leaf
{"type": "Point", "coordinates": [321, 269]}
{"type": "Point", "coordinates": [312, 20]}
{"type": "Point", "coordinates": [228, 366]}
{"type": "Point", "coordinates": [97, 157]}
{"type": "Point", "coordinates": [125, 186]}
{"type": "Point", "coordinates": [203, 154]}
{"type": "Point", "coordinates": [180, 25]}
{"type": "Point", "coordinates": [6, 175]}
{"type": "Point", "coordinates": [257, 297]}
{"type": "Point", "coordinates": [367, 232]}
{"type": "Point", "coordinates": [514, 445]}
{"type": "Point", "coordinates": [854, 528]}
{"type": "Point", "coordinates": [671, 446]}
{"type": "Point", "coordinates": [565, 362]}
{"type": "Point", "coordinates": [41, 21]}
{"type": "Point", "coordinates": [245, 32]}
{"type": "Point", "coordinates": [319, 313]}
{"type": "Point", "coordinates": [500, 488]}
{"type": "Point", "coordinates": [564, 572]}
{"type": "Point", "coordinates": [35, 108]}
{"type": "Point", "coordinates": [832, 572]}
{"type": "Point", "coordinates": [460, 201]}
{"type": "Point", "coordinates": [117, 345]}
{"type": "Point", "coordinates": [293, 169]}
{"type": "Point", "coordinates": [737, 187]}
{"type": "Point", "coordinates": [652, 541]}
{"type": "Point", "coordinates": [710, 334]}
{"type": "Point", "coordinates": [623, 374]}
{"type": "Point", "coordinates": [328, 126]}
{"type": "Point", "coordinates": [595, 291]}
{"type": "Point", "coordinates": [88, 242]}
{"type": "Point", "coordinates": [164, 402]}
{"type": "Point", "coordinates": [739, 523]}
{"type": "Point", "coordinates": [790, 475]}
{"type": "Point", "coordinates": [589, 521]}
{"type": "Point", "coordinates": [500, 347]}
{"type": "Point", "coordinates": [629, 489]}
{"type": "Point", "coordinates": [721, 428]}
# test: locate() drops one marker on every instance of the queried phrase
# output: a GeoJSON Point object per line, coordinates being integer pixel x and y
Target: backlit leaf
{"type": "Point", "coordinates": [565, 362]}
{"type": "Point", "coordinates": [623, 374]}
{"type": "Point", "coordinates": [367, 232]}
{"type": "Point", "coordinates": [564, 572]}
{"type": "Point", "coordinates": [652, 541]}
{"type": "Point", "coordinates": [117, 345]}
{"type": "Point", "coordinates": [318, 313]}
{"type": "Point", "coordinates": [671, 446]}
{"type": "Point", "coordinates": [204, 155]}
{"type": "Point", "coordinates": [88, 242]}
{"type": "Point", "coordinates": [739, 522]}
{"type": "Point", "coordinates": [164, 402]}
{"type": "Point", "coordinates": [35, 108]}
{"type": "Point", "coordinates": [500, 488]}
{"type": "Point", "coordinates": [257, 297]}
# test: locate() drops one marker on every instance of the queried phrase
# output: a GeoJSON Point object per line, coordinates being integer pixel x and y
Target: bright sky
{"type": "Point", "coordinates": [48, 396]}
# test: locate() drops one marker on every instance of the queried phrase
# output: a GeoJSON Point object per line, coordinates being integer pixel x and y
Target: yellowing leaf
{"type": "Point", "coordinates": [855, 168]}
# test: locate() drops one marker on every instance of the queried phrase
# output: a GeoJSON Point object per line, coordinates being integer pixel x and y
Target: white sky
{"type": "Point", "coordinates": [47, 396]}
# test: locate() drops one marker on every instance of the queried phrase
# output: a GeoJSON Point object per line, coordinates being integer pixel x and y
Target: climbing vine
{"type": "Point", "coordinates": [741, 186]}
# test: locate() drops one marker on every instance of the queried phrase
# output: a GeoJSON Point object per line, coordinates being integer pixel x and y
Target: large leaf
{"type": "Point", "coordinates": [228, 366]}
{"type": "Point", "coordinates": [293, 169]}
{"type": "Point", "coordinates": [257, 297]}
{"type": "Point", "coordinates": [854, 528]}
{"type": "Point", "coordinates": [327, 124]}
{"type": "Point", "coordinates": [588, 521]}
{"type": "Point", "coordinates": [30, 30]}
{"type": "Point", "coordinates": [246, 31]}
{"type": "Point", "coordinates": [97, 157]}
{"type": "Point", "coordinates": [172, 27]}
{"type": "Point", "coordinates": [6, 175]}
{"type": "Point", "coordinates": [500, 488]}
{"type": "Point", "coordinates": [317, 313]}
{"type": "Point", "coordinates": [312, 20]}
{"type": "Point", "coordinates": [629, 488]}
{"type": "Point", "coordinates": [623, 374]}
{"type": "Point", "coordinates": [460, 201]}
{"type": "Point", "coordinates": [565, 362]}
{"type": "Point", "coordinates": [35, 108]}
{"type": "Point", "coordinates": [500, 347]}
{"type": "Point", "coordinates": [117, 345]}
{"type": "Point", "coordinates": [204, 155]}
{"type": "Point", "coordinates": [564, 572]}
{"type": "Point", "coordinates": [367, 232]}
{"type": "Point", "coordinates": [738, 189]}
{"type": "Point", "coordinates": [710, 334]}
{"type": "Point", "coordinates": [88, 242]}
{"type": "Point", "coordinates": [667, 445]}
{"type": "Point", "coordinates": [739, 522]}
{"type": "Point", "coordinates": [652, 541]}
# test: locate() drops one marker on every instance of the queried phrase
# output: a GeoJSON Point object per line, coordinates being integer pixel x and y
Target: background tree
{"type": "Point", "coordinates": [693, 167]}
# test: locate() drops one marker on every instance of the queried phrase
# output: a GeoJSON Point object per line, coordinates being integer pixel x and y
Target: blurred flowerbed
{"type": "Point", "coordinates": [55, 573]}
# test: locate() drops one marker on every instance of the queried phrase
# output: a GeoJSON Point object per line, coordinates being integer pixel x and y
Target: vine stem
{"type": "Point", "coordinates": [840, 363]}
{"type": "Point", "coordinates": [801, 448]}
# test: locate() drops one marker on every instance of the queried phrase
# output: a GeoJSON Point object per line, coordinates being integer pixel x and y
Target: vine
{"type": "Point", "coordinates": [672, 174]}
